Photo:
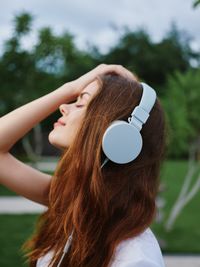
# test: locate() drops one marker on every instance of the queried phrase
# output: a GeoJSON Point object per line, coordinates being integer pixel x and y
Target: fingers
{"type": "Point", "coordinates": [90, 76]}
{"type": "Point", "coordinates": [118, 69]}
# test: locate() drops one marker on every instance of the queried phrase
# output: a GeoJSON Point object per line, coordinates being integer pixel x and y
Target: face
{"type": "Point", "coordinates": [72, 116]}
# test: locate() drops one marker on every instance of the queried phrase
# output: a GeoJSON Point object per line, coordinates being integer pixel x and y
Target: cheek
{"type": "Point", "coordinates": [74, 126]}
{"type": "Point", "coordinates": [75, 121]}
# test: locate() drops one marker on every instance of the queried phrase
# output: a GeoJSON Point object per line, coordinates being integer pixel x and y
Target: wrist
{"type": "Point", "coordinates": [69, 90]}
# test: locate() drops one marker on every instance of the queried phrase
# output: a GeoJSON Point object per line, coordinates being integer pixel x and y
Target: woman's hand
{"type": "Point", "coordinates": [80, 83]}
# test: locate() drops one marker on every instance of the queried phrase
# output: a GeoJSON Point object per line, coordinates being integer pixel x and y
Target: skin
{"type": "Point", "coordinates": [72, 115]}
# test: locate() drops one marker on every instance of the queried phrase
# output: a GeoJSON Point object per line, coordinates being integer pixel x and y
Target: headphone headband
{"type": "Point", "coordinates": [141, 112]}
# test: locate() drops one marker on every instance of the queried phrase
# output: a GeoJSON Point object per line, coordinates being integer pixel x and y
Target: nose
{"type": "Point", "coordinates": [64, 109]}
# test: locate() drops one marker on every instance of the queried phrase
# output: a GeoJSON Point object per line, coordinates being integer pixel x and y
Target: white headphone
{"type": "Point", "coordinates": [122, 141]}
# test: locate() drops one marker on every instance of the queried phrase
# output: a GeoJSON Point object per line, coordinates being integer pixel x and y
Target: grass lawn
{"type": "Point", "coordinates": [6, 192]}
{"type": "Point", "coordinates": [184, 238]}
{"type": "Point", "coordinates": [185, 235]}
{"type": "Point", "coordinates": [15, 229]}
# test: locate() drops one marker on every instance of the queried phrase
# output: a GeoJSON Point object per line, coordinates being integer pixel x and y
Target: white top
{"type": "Point", "coordinates": [140, 251]}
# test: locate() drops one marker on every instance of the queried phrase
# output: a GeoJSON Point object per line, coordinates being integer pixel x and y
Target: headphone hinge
{"type": "Point", "coordinates": [138, 117]}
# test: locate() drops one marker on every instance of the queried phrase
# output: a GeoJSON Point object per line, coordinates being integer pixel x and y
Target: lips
{"type": "Point", "coordinates": [59, 123]}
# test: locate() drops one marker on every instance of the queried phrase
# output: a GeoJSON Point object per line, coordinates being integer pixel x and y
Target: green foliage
{"type": "Point", "coordinates": [181, 104]}
{"type": "Point", "coordinates": [152, 62]}
{"type": "Point", "coordinates": [23, 23]}
{"type": "Point", "coordinates": [55, 59]}
{"type": "Point", "coordinates": [28, 74]}
{"type": "Point", "coordinates": [196, 3]}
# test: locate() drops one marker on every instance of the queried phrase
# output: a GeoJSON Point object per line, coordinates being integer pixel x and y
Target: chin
{"type": "Point", "coordinates": [58, 146]}
{"type": "Point", "coordinates": [55, 143]}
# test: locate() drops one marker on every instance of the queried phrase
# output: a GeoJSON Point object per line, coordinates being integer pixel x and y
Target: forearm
{"type": "Point", "coordinates": [18, 122]}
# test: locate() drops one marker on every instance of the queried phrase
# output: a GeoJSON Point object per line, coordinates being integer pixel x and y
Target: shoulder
{"type": "Point", "coordinates": [140, 251]}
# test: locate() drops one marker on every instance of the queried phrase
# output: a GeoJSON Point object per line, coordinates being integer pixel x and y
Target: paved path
{"type": "Point", "coordinates": [47, 166]}
{"type": "Point", "coordinates": [20, 205]}
{"type": "Point", "coordinates": [182, 261]}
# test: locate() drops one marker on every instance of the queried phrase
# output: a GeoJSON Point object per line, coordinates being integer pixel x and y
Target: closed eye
{"type": "Point", "coordinates": [81, 103]}
{"type": "Point", "coordinates": [78, 101]}
{"type": "Point", "coordinates": [80, 106]}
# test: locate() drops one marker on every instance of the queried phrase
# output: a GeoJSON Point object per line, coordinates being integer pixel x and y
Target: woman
{"type": "Point", "coordinates": [108, 209]}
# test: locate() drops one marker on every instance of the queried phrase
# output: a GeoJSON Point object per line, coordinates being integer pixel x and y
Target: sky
{"type": "Point", "coordinates": [101, 22]}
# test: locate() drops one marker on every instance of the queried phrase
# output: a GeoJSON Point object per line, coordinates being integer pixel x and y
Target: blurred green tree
{"type": "Point", "coordinates": [196, 3]}
{"type": "Point", "coordinates": [26, 74]}
{"type": "Point", "coordinates": [181, 104]}
{"type": "Point", "coordinates": [152, 62]}
{"type": "Point", "coordinates": [16, 66]}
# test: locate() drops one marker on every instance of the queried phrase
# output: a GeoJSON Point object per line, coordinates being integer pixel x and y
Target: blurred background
{"type": "Point", "coordinates": [44, 44]}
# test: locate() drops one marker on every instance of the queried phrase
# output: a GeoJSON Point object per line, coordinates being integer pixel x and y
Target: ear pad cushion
{"type": "Point", "coordinates": [122, 142]}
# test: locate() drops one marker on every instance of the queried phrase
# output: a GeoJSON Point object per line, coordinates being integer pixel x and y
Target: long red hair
{"type": "Point", "coordinates": [102, 206]}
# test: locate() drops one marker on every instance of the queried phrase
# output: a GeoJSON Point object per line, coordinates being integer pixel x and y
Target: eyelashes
{"type": "Point", "coordinates": [74, 101]}
{"type": "Point", "coordinates": [78, 104]}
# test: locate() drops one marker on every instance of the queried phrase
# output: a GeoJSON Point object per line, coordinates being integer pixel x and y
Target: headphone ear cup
{"type": "Point", "coordinates": [122, 142]}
